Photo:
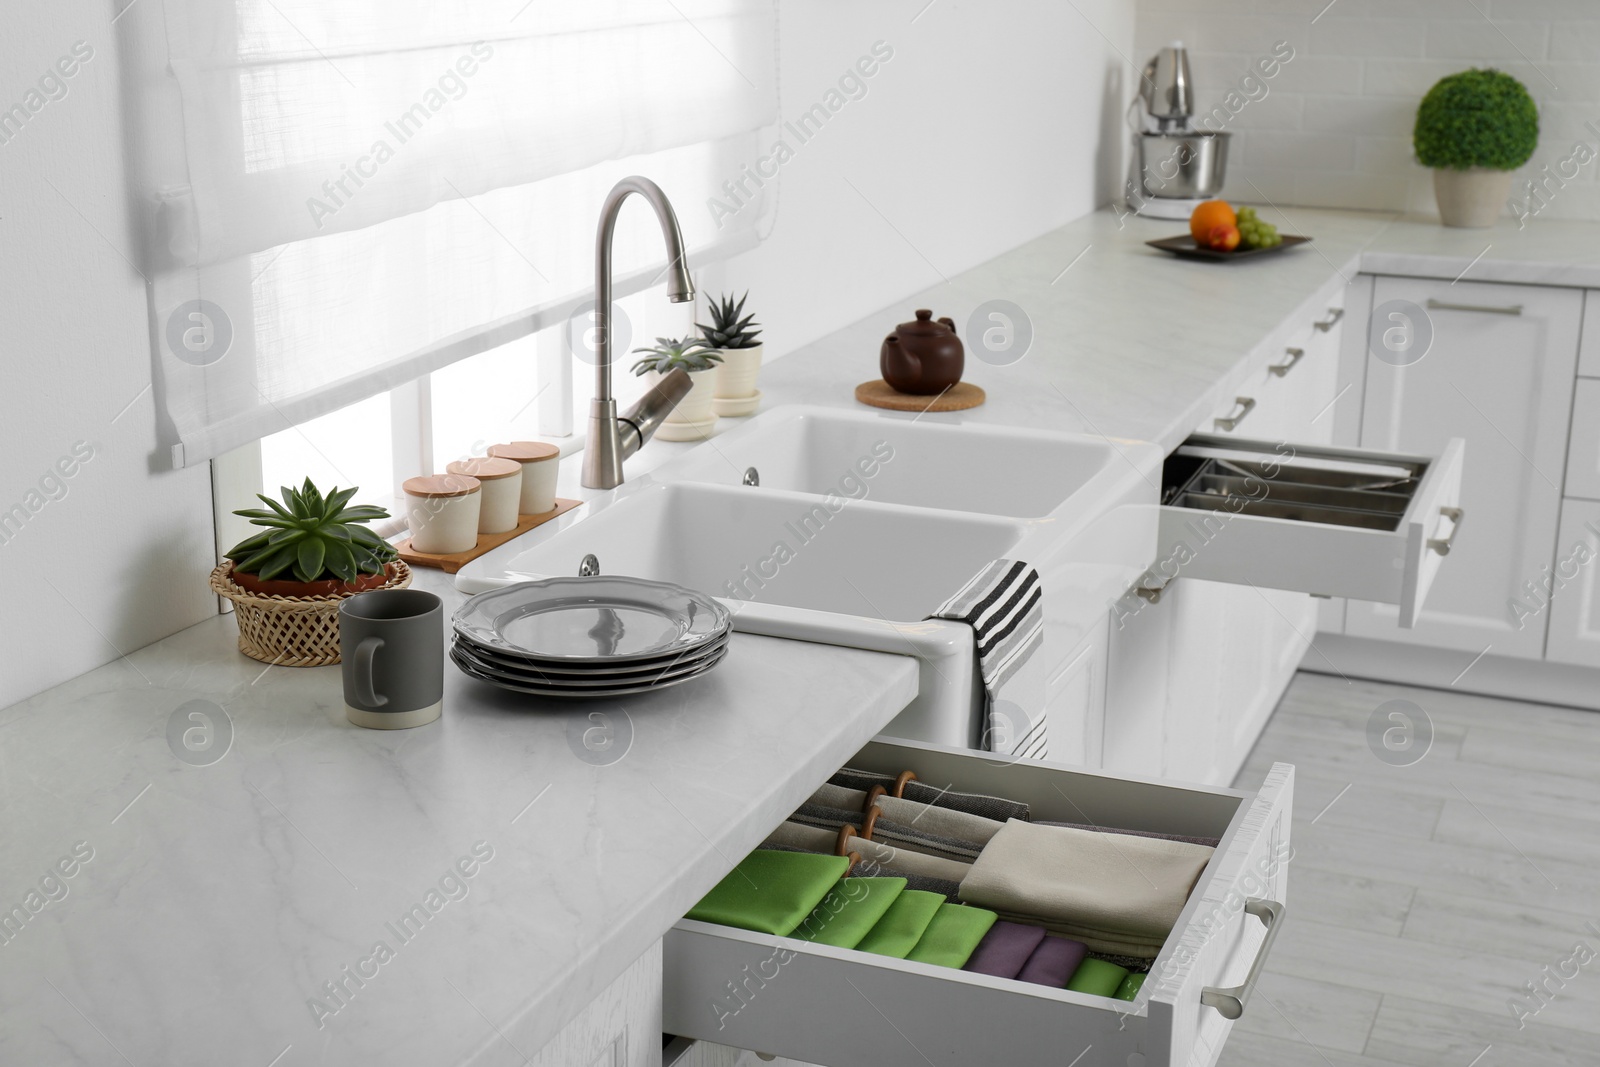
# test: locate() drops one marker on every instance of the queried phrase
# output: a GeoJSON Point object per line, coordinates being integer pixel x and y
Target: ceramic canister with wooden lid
{"type": "Point", "coordinates": [442, 510]}
{"type": "Point", "coordinates": [540, 463]}
{"type": "Point", "coordinates": [502, 490]}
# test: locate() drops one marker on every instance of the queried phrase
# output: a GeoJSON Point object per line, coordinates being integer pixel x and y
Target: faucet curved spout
{"type": "Point", "coordinates": [613, 438]}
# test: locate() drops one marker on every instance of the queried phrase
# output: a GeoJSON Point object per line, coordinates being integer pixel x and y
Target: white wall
{"type": "Point", "coordinates": [991, 125]}
{"type": "Point", "coordinates": [1335, 127]}
{"type": "Point", "coordinates": [118, 558]}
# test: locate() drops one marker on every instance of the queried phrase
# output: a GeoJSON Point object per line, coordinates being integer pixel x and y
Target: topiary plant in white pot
{"type": "Point", "coordinates": [1474, 128]}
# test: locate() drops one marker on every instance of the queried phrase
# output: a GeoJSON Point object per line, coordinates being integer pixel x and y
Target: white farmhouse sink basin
{"type": "Point", "coordinates": [862, 524]}
{"type": "Point", "coordinates": [776, 548]}
{"type": "Point", "coordinates": [992, 470]}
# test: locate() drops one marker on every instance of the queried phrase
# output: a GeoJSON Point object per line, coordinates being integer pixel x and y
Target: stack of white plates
{"type": "Point", "coordinates": [599, 636]}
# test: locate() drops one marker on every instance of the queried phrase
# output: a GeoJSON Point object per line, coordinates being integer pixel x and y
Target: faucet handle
{"type": "Point", "coordinates": [641, 421]}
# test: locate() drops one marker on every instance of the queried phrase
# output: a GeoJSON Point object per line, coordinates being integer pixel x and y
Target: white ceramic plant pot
{"type": "Point", "coordinates": [696, 407]}
{"type": "Point", "coordinates": [1471, 199]}
{"type": "Point", "coordinates": [693, 419]}
{"type": "Point", "coordinates": [737, 373]}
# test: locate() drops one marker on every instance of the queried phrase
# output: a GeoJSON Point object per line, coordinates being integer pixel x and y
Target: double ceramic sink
{"type": "Point", "coordinates": [860, 524]}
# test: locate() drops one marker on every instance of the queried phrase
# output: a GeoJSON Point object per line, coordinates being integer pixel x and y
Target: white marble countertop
{"type": "Point", "coordinates": [209, 904]}
{"type": "Point", "coordinates": [219, 899]}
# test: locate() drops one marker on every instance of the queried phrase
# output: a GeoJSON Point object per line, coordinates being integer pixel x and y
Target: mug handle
{"type": "Point", "coordinates": [365, 677]}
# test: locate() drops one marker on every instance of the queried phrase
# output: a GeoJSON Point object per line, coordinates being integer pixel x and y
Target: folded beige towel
{"type": "Point", "coordinates": [926, 818]}
{"type": "Point", "coordinates": [1087, 885]}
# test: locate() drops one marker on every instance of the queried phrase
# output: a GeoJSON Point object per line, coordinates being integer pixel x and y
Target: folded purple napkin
{"type": "Point", "coordinates": [1053, 962]}
{"type": "Point", "coordinates": [1005, 949]}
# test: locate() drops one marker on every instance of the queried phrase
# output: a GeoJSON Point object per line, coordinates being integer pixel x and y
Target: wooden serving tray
{"type": "Point", "coordinates": [959, 397]}
{"type": "Point", "coordinates": [454, 561]}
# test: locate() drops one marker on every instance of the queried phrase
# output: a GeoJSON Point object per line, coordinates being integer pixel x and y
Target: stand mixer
{"type": "Point", "coordinates": [1176, 165]}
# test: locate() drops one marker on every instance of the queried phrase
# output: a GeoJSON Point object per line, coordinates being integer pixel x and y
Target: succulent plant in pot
{"type": "Point", "coordinates": [733, 333]}
{"type": "Point", "coordinates": [1474, 128]}
{"type": "Point", "coordinates": [287, 581]}
{"type": "Point", "coordinates": [693, 418]}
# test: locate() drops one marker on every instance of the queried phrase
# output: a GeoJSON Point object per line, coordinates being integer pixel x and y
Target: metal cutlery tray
{"type": "Point", "coordinates": [1284, 486]}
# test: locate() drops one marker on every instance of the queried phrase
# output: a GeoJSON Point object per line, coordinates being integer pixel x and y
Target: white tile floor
{"type": "Point", "coordinates": [1424, 898]}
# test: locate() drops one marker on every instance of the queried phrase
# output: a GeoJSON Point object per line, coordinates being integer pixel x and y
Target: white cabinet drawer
{"type": "Point", "coordinates": [1332, 521]}
{"type": "Point", "coordinates": [851, 1009]}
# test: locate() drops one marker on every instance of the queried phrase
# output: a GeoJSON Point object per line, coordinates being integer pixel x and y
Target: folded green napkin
{"type": "Point", "coordinates": [850, 911]}
{"type": "Point", "coordinates": [1098, 977]}
{"type": "Point", "coordinates": [951, 936]}
{"type": "Point", "coordinates": [903, 925]}
{"type": "Point", "coordinates": [771, 892]}
{"type": "Point", "coordinates": [1130, 987]}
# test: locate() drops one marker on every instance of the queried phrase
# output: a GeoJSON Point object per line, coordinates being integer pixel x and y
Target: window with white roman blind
{"type": "Point", "coordinates": [348, 197]}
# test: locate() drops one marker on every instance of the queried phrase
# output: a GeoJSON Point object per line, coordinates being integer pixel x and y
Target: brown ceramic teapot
{"type": "Point", "coordinates": [922, 357]}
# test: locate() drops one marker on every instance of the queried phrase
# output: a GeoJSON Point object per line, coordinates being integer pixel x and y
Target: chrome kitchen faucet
{"type": "Point", "coordinates": [613, 438]}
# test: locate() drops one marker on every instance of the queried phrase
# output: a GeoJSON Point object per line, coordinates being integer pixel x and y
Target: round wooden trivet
{"type": "Point", "coordinates": [959, 397]}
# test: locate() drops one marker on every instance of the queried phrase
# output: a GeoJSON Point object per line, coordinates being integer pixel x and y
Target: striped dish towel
{"type": "Point", "coordinates": [1003, 603]}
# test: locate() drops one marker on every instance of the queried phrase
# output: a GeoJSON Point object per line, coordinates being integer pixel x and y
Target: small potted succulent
{"type": "Point", "coordinates": [692, 419]}
{"type": "Point", "coordinates": [287, 581]}
{"type": "Point", "coordinates": [1474, 128]}
{"type": "Point", "coordinates": [732, 333]}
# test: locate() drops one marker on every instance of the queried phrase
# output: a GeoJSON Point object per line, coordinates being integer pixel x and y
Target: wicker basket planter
{"type": "Point", "coordinates": [291, 631]}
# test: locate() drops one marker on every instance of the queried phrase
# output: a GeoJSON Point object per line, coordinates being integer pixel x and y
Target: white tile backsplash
{"type": "Point", "coordinates": [1335, 127]}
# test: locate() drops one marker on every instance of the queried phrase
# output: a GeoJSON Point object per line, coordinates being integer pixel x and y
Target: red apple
{"type": "Point", "coordinates": [1223, 238]}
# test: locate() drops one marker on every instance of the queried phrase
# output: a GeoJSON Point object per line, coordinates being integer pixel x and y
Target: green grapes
{"type": "Point", "coordinates": [1255, 233]}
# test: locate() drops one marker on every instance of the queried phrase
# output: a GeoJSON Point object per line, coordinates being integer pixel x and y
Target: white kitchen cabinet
{"type": "Point", "coordinates": [1499, 374]}
{"type": "Point", "coordinates": [853, 1009]}
{"type": "Point", "coordinates": [1075, 702]}
{"type": "Point", "coordinates": [1194, 676]}
{"type": "Point", "coordinates": [1138, 676]}
{"type": "Point", "coordinates": [1574, 577]}
{"type": "Point", "coordinates": [1589, 346]}
{"type": "Point", "coordinates": [1583, 445]}
{"type": "Point", "coordinates": [619, 1028]}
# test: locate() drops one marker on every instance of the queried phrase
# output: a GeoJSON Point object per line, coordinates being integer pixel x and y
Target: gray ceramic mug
{"type": "Point", "coordinates": [391, 642]}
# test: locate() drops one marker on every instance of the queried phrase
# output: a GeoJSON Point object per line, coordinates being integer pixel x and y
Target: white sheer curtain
{"type": "Point", "coordinates": [353, 195]}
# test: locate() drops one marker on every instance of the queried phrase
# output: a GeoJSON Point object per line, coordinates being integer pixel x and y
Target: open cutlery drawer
{"type": "Point", "coordinates": [1331, 521]}
{"type": "Point", "coordinates": [844, 1008]}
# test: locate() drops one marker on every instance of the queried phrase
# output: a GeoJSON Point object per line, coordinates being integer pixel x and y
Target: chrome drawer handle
{"type": "Point", "coordinates": [1231, 1001]}
{"type": "Point", "coordinates": [1243, 405]}
{"type": "Point", "coordinates": [1443, 545]}
{"type": "Point", "coordinates": [1488, 309]}
{"type": "Point", "coordinates": [1295, 356]}
{"type": "Point", "coordinates": [1334, 315]}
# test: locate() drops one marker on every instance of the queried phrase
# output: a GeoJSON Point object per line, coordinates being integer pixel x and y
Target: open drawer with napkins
{"type": "Point", "coordinates": [843, 1007]}
{"type": "Point", "coordinates": [1331, 521]}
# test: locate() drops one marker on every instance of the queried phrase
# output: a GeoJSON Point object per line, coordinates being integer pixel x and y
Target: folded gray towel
{"type": "Point", "coordinates": [927, 818]}
{"type": "Point", "coordinates": [889, 832]}
{"type": "Point", "coordinates": [905, 860]}
{"type": "Point", "coordinates": [998, 808]}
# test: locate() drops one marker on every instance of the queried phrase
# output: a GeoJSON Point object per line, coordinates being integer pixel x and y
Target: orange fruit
{"type": "Point", "coordinates": [1223, 238]}
{"type": "Point", "coordinates": [1208, 216]}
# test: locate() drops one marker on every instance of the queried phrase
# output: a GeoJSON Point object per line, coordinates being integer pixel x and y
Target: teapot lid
{"type": "Point", "coordinates": [923, 327]}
